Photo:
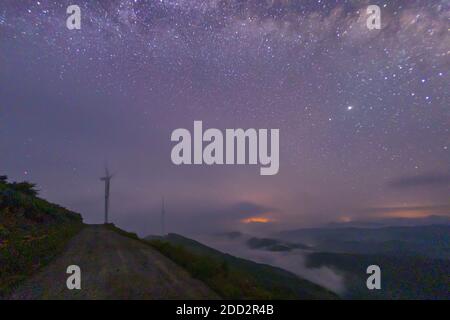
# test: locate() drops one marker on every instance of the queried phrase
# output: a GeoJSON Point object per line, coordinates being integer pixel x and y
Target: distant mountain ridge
{"type": "Point", "coordinates": [393, 222]}
{"type": "Point", "coordinates": [274, 244]}
{"type": "Point", "coordinates": [430, 241]}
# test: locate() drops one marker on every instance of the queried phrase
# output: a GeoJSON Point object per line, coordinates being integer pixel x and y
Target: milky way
{"type": "Point", "coordinates": [359, 111]}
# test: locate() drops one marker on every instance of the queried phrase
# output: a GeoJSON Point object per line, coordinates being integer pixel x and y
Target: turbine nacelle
{"type": "Point", "coordinates": [107, 176]}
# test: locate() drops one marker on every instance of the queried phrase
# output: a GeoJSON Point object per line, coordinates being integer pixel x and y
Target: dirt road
{"type": "Point", "coordinates": [112, 267]}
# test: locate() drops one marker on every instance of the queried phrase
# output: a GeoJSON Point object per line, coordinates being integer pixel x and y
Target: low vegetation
{"type": "Point", "coordinates": [228, 282]}
{"type": "Point", "coordinates": [32, 232]}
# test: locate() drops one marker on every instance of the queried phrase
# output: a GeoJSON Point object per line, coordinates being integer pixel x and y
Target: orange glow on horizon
{"type": "Point", "coordinates": [345, 219]}
{"type": "Point", "coordinates": [256, 220]}
{"type": "Point", "coordinates": [407, 214]}
{"type": "Point", "coordinates": [415, 210]}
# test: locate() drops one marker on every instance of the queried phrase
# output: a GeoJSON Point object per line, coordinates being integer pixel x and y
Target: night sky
{"type": "Point", "coordinates": [364, 115]}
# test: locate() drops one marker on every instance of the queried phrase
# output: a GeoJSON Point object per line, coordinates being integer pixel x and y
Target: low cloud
{"type": "Point", "coordinates": [433, 209]}
{"type": "Point", "coordinates": [426, 180]}
{"type": "Point", "coordinates": [293, 261]}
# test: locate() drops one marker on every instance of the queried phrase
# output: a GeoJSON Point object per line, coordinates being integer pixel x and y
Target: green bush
{"type": "Point", "coordinates": [32, 232]}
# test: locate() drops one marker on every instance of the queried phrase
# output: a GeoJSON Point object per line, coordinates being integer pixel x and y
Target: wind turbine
{"type": "Point", "coordinates": [163, 213]}
{"type": "Point", "coordinates": [107, 179]}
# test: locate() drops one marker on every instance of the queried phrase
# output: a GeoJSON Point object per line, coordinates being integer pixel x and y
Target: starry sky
{"type": "Point", "coordinates": [364, 115]}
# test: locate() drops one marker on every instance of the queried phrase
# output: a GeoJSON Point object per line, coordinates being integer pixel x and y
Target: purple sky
{"type": "Point", "coordinates": [363, 114]}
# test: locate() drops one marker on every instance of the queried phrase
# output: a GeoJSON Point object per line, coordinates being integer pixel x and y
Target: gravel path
{"type": "Point", "coordinates": [112, 267]}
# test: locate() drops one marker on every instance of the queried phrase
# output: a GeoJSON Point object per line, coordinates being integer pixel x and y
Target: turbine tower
{"type": "Point", "coordinates": [163, 213]}
{"type": "Point", "coordinates": [107, 179]}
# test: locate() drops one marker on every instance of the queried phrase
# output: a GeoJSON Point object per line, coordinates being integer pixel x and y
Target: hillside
{"type": "Point", "coordinates": [39, 240]}
{"type": "Point", "coordinates": [236, 278]}
{"type": "Point", "coordinates": [32, 232]}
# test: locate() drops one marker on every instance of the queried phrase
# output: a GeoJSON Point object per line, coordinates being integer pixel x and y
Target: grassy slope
{"type": "Point", "coordinates": [236, 278]}
{"type": "Point", "coordinates": [32, 232]}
